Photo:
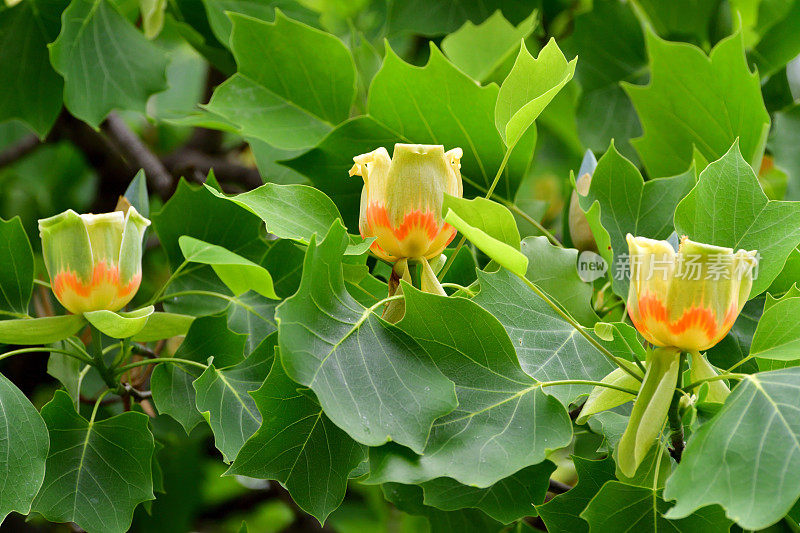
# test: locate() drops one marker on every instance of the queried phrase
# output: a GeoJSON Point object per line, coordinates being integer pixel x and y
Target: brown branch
{"type": "Point", "coordinates": [138, 154]}
{"type": "Point", "coordinates": [189, 161]}
{"type": "Point", "coordinates": [557, 487]}
{"type": "Point", "coordinates": [18, 150]}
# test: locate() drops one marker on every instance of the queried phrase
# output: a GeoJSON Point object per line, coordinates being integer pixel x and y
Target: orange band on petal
{"type": "Point", "coordinates": [101, 274]}
{"type": "Point", "coordinates": [696, 318]}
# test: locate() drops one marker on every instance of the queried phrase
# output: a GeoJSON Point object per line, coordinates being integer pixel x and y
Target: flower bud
{"type": "Point", "coordinates": [401, 202]}
{"type": "Point", "coordinates": [689, 299]}
{"type": "Point", "coordinates": [579, 230]}
{"type": "Point", "coordinates": [94, 261]}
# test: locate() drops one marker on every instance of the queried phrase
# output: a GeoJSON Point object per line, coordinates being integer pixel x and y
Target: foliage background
{"type": "Point", "coordinates": [93, 90]}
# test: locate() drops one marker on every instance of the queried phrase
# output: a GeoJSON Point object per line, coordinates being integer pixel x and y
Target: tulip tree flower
{"type": "Point", "coordinates": [94, 261]}
{"type": "Point", "coordinates": [689, 299]}
{"type": "Point", "coordinates": [401, 202]}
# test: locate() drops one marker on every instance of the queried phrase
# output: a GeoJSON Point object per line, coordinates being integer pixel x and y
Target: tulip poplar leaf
{"type": "Point", "coordinates": [97, 471]}
{"type": "Point", "coordinates": [290, 211]}
{"type": "Point", "coordinates": [697, 102]}
{"type": "Point", "coordinates": [628, 204]}
{"type": "Point", "coordinates": [554, 270]}
{"type": "Point", "coordinates": [298, 446]}
{"type": "Point", "coordinates": [43, 330]}
{"type": "Point", "coordinates": [529, 87]}
{"type": "Point", "coordinates": [439, 104]}
{"type": "Point", "coordinates": [238, 273]}
{"type": "Point", "coordinates": [507, 256]}
{"type": "Point", "coordinates": [120, 325]}
{"type": "Point", "coordinates": [16, 268]}
{"type": "Point", "coordinates": [507, 500]}
{"type": "Point", "coordinates": [410, 498]}
{"type": "Point", "coordinates": [100, 77]}
{"type": "Point", "coordinates": [775, 337]}
{"type": "Point", "coordinates": [290, 82]}
{"type": "Point", "coordinates": [727, 207]}
{"type": "Point", "coordinates": [174, 395]}
{"type": "Point", "coordinates": [642, 509]}
{"type": "Point", "coordinates": [199, 212]}
{"type": "Point", "coordinates": [222, 397]}
{"type": "Point", "coordinates": [758, 423]}
{"type": "Point", "coordinates": [490, 217]}
{"type": "Point", "coordinates": [23, 450]}
{"type": "Point", "coordinates": [548, 347]}
{"type": "Point", "coordinates": [561, 514]}
{"type": "Point", "coordinates": [372, 379]}
{"type": "Point", "coordinates": [31, 90]}
{"type": "Point", "coordinates": [504, 422]}
{"type": "Point", "coordinates": [480, 50]}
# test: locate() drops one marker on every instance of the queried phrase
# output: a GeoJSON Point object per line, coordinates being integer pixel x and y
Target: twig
{"type": "Point", "coordinates": [136, 152]}
{"type": "Point", "coordinates": [189, 161]}
{"type": "Point", "coordinates": [557, 487]}
{"type": "Point", "coordinates": [18, 150]}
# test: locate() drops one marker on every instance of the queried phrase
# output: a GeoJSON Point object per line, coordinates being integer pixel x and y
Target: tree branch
{"type": "Point", "coordinates": [18, 150]}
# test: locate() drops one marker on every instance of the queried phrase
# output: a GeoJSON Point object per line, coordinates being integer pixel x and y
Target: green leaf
{"type": "Point", "coordinates": [529, 87]}
{"type": "Point", "coordinates": [222, 397]}
{"type": "Point", "coordinates": [99, 78]}
{"type": "Point", "coordinates": [780, 44]}
{"type": "Point", "coordinates": [490, 217]}
{"type": "Point", "coordinates": [670, 19]}
{"type": "Point", "coordinates": [120, 325]}
{"type": "Point", "coordinates": [327, 165]}
{"type": "Point", "coordinates": [152, 18]}
{"type": "Point", "coordinates": [628, 204]}
{"type": "Point", "coordinates": [439, 104]}
{"type": "Point", "coordinates": [289, 211]}
{"type": "Point", "coordinates": [503, 422]}
{"type": "Point", "coordinates": [40, 330]}
{"type": "Point", "coordinates": [164, 326]}
{"type": "Point", "coordinates": [239, 274]}
{"type": "Point", "coordinates": [728, 208]}
{"type": "Point", "coordinates": [561, 514]}
{"type": "Point", "coordinates": [16, 267]}
{"type": "Point", "coordinates": [298, 446]}
{"type": "Point", "coordinates": [642, 509]}
{"type": "Point", "coordinates": [23, 450]}
{"type": "Point", "coordinates": [136, 194]}
{"type": "Point", "coordinates": [782, 144]}
{"type": "Point", "coordinates": [610, 43]}
{"type": "Point", "coordinates": [31, 90]}
{"type": "Point", "coordinates": [221, 24]}
{"type": "Point", "coordinates": [697, 102]}
{"type": "Point", "coordinates": [553, 269]}
{"type": "Point", "coordinates": [262, 114]}
{"type": "Point", "coordinates": [371, 378]}
{"type": "Point", "coordinates": [409, 499]}
{"type": "Point", "coordinates": [507, 500]}
{"type": "Point", "coordinates": [776, 337]}
{"type": "Point", "coordinates": [436, 18]}
{"type": "Point", "coordinates": [505, 255]}
{"type": "Point", "coordinates": [209, 336]}
{"type": "Point", "coordinates": [479, 50]}
{"type": "Point", "coordinates": [548, 348]}
{"type": "Point", "coordinates": [285, 95]}
{"type": "Point", "coordinates": [97, 471]}
{"type": "Point", "coordinates": [196, 212]}
{"type": "Point", "coordinates": [174, 395]}
{"type": "Point", "coordinates": [757, 425]}
{"type": "Point", "coordinates": [66, 369]}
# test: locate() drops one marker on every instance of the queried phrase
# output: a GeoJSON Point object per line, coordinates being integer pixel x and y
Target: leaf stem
{"type": "Point", "coordinates": [740, 363]}
{"type": "Point", "coordinates": [588, 382]}
{"type": "Point", "coordinates": [97, 405]}
{"type": "Point", "coordinates": [36, 349]}
{"type": "Point", "coordinates": [175, 360]}
{"type": "Point", "coordinates": [99, 359]}
{"type": "Point", "coordinates": [459, 288]}
{"type": "Point", "coordinates": [699, 382]}
{"type": "Point", "coordinates": [674, 416]}
{"type": "Point", "coordinates": [42, 283]}
{"type": "Point", "coordinates": [171, 278]}
{"type": "Point", "coordinates": [14, 315]}
{"type": "Point", "coordinates": [578, 327]}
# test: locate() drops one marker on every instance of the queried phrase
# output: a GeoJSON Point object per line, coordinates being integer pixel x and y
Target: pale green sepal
{"type": "Point", "coordinates": [164, 326]}
{"type": "Point", "coordinates": [700, 368]}
{"type": "Point", "coordinates": [508, 257]}
{"type": "Point", "coordinates": [650, 409]}
{"type": "Point", "coordinates": [428, 280]}
{"type": "Point", "coordinates": [120, 325]}
{"type": "Point", "coordinates": [237, 273]}
{"type": "Point", "coordinates": [602, 398]}
{"type": "Point", "coordinates": [44, 330]}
